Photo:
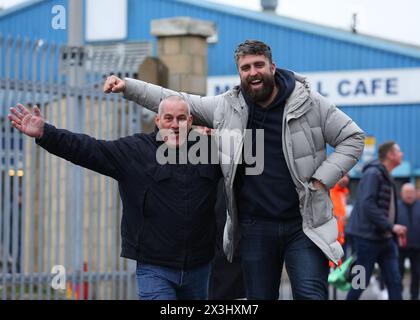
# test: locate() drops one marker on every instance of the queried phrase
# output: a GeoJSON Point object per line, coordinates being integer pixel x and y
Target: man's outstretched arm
{"type": "Point", "coordinates": [149, 96]}
{"type": "Point", "coordinates": [104, 157]}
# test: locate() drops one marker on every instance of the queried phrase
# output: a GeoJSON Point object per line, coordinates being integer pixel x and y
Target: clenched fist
{"type": "Point", "coordinates": [114, 84]}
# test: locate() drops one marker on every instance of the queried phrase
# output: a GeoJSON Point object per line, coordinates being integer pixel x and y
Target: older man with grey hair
{"type": "Point", "coordinates": [168, 221]}
{"type": "Point", "coordinates": [409, 216]}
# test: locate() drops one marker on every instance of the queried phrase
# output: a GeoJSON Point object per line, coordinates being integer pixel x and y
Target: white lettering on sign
{"type": "Point", "coordinates": [363, 87]}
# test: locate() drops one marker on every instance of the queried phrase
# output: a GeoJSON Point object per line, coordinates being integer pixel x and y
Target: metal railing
{"type": "Point", "coordinates": [53, 213]}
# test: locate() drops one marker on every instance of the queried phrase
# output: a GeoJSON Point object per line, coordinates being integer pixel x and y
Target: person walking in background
{"type": "Point", "coordinates": [373, 222]}
{"type": "Point", "coordinates": [409, 216]}
{"type": "Point", "coordinates": [339, 195]}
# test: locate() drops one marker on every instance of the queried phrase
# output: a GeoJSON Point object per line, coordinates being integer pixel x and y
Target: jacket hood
{"type": "Point", "coordinates": [288, 83]}
{"type": "Point", "coordinates": [302, 79]}
{"type": "Point", "coordinates": [299, 95]}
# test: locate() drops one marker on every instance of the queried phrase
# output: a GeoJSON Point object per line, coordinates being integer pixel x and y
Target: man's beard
{"type": "Point", "coordinates": [260, 95]}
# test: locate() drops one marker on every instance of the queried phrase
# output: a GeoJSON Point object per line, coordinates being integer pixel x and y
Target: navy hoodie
{"type": "Point", "coordinates": [369, 218]}
{"type": "Point", "coordinates": [272, 194]}
{"type": "Point", "coordinates": [409, 216]}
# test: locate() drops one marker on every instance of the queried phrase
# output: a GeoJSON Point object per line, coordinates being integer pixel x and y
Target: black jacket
{"type": "Point", "coordinates": [409, 216]}
{"type": "Point", "coordinates": [369, 218]}
{"type": "Point", "coordinates": [168, 210]}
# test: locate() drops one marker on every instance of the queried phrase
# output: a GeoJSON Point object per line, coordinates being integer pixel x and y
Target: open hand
{"type": "Point", "coordinates": [399, 229]}
{"type": "Point", "coordinates": [30, 124]}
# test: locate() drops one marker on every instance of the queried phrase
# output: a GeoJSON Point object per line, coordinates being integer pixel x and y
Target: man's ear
{"type": "Point", "coordinates": [273, 68]}
{"type": "Point", "coordinates": [157, 120]}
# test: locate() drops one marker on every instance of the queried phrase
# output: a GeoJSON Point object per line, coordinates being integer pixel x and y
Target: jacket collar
{"type": "Point", "coordinates": [296, 105]}
{"type": "Point", "coordinates": [376, 163]}
{"type": "Point", "coordinates": [236, 99]}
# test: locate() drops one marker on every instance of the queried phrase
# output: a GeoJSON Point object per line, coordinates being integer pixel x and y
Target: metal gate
{"type": "Point", "coordinates": [59, 223]}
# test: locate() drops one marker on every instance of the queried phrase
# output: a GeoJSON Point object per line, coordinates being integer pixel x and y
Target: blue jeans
{"type": "Point", "coordinates": [163, 283]}
{"type": "Point", "coordinates": [264, 248]}
{"type": "Point", "coordinates": [385, 253]}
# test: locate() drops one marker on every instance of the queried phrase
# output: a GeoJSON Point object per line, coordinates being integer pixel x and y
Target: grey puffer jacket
{"type": "Point", "coordinates": [309, 122]}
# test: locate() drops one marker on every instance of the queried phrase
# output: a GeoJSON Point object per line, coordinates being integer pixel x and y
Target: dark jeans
{"type": "Point", "coordinates": [385, 253]}
{"type": "Point", "coordinates": [226, 279]}
{"type": "Point", "coordinates": [162, 283]}
{"type": "Point", "coordinates": [264, 248]}
{"type": "Point", "coordinates": [414, 256]}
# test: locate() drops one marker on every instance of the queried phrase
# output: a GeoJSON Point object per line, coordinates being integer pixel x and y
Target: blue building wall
{"type": "Point", "coordinates": [33, 21]}
{"type": "Point", "coordinates": [391, 122]}
{"type": "Point", "coordinates": [296, 45]}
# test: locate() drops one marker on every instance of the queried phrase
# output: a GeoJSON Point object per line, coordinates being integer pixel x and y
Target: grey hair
{"type": "Point", "coordinates": [174, 98]}
{"type": "Point", "coordinates": [408, 185]}
{"type": "Point", "coordinates": [253, 47]}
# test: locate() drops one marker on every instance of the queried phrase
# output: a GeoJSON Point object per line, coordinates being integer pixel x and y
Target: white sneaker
{"type": "Point", "coordinates": [383, 295]}
{"type": "Point", "coordinates": [374, 284]}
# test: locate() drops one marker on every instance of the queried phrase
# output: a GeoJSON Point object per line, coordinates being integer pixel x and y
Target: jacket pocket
{"type": "Point", "coordinates": [160, 173]}
{"type": "Point", "coordinates": [320, 207]}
